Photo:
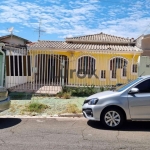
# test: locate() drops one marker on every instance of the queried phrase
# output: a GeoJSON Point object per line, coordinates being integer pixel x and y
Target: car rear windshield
{"type": "Point", "coordinates": [125, 86]}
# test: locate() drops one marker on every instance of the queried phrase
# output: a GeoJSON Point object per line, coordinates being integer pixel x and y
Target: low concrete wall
{"type": "Point", "coordinates": [14, 81]}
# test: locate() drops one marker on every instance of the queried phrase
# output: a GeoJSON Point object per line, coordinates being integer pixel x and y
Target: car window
{"type": "Point", "coordinates": [125, 86]}
{"type": "Point", "coordinates": [144, 87]}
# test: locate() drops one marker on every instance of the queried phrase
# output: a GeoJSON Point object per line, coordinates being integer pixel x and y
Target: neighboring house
{"type": "Point", "coordinates": [98, 59]}
{"type": "Point", "coordinates": [144, 59]}
{"type": "Point", "coordinates": [15, 52]}
{"type": "Point", "coordinates": [14, 40]}
{"type": "Point", "coordinates": [146, 45]}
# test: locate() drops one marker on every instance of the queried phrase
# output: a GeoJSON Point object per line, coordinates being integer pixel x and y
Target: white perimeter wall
{"type": "Point", "coordinates": [13, 81]}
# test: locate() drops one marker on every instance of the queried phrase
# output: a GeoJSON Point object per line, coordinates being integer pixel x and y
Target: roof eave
{"type": "Point", "coordinates": [107, 51]}
{"type": "Point", "coordinates": [97, 41]}
{"type": "Point", "coordinates": [6, 36]}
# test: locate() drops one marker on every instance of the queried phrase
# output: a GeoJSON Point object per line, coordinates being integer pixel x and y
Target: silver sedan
{"type": "Point", "coordinates": [128, 102]}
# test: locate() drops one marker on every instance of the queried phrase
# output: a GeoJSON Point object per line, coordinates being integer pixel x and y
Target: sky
{"type": "Point", "coordinates": [69, 18]}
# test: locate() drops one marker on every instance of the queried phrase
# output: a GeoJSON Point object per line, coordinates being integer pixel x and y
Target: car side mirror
{"type": "Point", "coordinates": [133, 91]}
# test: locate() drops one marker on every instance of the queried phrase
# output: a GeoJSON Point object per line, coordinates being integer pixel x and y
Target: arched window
{"type": "Point", "coordinates": [86, 65]}
{"type": "Point", "coordinates": [118, 63]}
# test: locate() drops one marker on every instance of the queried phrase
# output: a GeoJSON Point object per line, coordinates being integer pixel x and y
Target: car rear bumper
{"type": "Point", "coordinates": [5, 104]}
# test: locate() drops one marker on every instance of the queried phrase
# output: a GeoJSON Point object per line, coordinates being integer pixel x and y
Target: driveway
{"type": "Point", "coordinates": [70, 134]}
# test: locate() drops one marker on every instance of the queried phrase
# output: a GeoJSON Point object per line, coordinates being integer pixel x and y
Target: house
{"type": "Point", "coordinates": [145, 45]}
{"type": "Point", "coordinates": [14, 52]}
{"type": "Point", "coordinates": [45, 66]}
{"type": "Point", "coordinates": [98, 59]}
{"type": "Point", "coordinates": [14, 40]}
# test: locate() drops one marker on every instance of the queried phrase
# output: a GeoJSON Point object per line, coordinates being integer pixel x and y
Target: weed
{"type": "Point", "coordinates": [60, 94]}
{"type": "Point", "coordinates": [36, 107]}
{"type": "Point", "coordinates": [72, 108]}
{"type": "Point", "coordinates": [67, 95]}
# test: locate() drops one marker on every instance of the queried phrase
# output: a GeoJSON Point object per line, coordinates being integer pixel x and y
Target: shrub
{"type": "Point", "coordinates": [66, 89]}
{"type": "Point", "coordinates": [36, 107]}
{"type": "Point", "coordinates": [79, 91]}
{"type": "Point", "coordinates": [102, 89]}
{"type": "Point", "coordinates": [84, 91]}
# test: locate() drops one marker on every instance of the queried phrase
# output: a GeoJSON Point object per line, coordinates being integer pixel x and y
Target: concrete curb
{"type": "Point", "coordinates": [71, 115]}
{"type": "Point", "coordinates": [44, 116]}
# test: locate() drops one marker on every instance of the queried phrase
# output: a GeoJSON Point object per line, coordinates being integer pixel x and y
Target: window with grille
{"type": "Point", "coordinates": [134, 68]}
{"type": "Point", "coordinates": [103, 74]}
{"type": "Point", "coordinates": [86, 65]}
{"type": "Point", "coordinates": [118, 63]}
{"type": "Point", "coordinates": [18, 65]}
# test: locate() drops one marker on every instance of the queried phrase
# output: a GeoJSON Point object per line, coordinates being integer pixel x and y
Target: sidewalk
{"type": "Point", "coordinates": [57, 107]}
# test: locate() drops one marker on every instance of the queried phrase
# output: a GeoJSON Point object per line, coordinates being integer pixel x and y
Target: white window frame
{"type": "Point", "coordinates": [77, 65]}
{"type": "Point", "coordinates": [103, 79]}
{"type": "Point", "coordinates": [123, 77]}
{"type": "Point", "coordinates": [134, 73]}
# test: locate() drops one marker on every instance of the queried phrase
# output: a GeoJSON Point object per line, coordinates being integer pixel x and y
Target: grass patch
{"type": "Point", "coordinates": [36, 107]}
{"type": "Point", "coordinates": [72, 108]}
{"type": "Point", "coordinates": [12, 108]}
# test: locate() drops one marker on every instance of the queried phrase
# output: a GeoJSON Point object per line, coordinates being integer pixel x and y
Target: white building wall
{"type": "Point", "coordinates": [144, 65]}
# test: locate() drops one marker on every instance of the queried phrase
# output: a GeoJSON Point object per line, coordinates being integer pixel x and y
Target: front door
{"type": "Point", "coordinates": [139, 103]}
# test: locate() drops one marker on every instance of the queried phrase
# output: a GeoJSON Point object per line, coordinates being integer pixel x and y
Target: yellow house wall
{"type": "Point", "coordinates": [102, 63]}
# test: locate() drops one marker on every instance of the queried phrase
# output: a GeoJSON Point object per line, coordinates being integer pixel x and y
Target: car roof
{"type": "Point", "coordinates": [146, 76]}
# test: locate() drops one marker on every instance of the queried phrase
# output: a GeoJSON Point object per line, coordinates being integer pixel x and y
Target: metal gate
{"type": "Point", "coordinates": [40, 73]}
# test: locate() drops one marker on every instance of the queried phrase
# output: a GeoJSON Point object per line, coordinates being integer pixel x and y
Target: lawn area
{"type": "Point", "coordinates": [29, 104]}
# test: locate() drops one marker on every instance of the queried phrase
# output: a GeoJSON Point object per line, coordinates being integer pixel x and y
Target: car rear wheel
{"type": "Point", "coordinates": [112, 118]}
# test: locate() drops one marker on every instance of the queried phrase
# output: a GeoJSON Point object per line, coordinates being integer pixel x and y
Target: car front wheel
{"type": "Point", "coordinates": [112, 118]}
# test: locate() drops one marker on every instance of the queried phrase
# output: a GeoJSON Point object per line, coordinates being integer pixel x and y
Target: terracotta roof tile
{"type": "Point", "coordinates": [78, 46]}
{"type": "Point", "coordinates": [101, 37]}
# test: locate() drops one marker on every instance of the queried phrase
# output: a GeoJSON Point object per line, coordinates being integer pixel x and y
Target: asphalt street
{"type": "Point", "coordinates": [71, 134]}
